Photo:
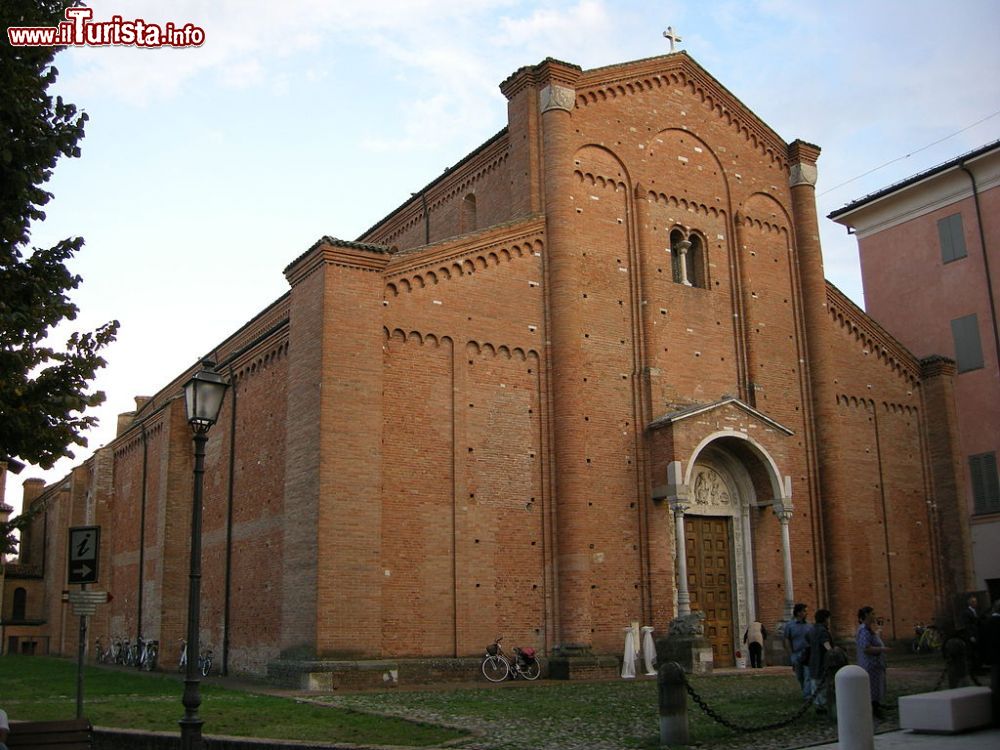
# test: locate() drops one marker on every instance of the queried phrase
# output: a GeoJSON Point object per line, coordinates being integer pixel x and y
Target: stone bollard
{"type": "Point", "coordinates": [855, 730]}
{"type": "Point", "coordinates": [673, 704]}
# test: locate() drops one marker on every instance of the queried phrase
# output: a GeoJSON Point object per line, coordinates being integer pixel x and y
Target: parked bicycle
{"type": "Point", "coordinates": [204, 659]}
{"type": "Point", "coordinates": [497, 666]}
{"type": "Point", "coordinates": [928, 638]}
{"type": "Point", "coordinates": [147, 654]}
{"type": "Point", "coordinates": [125, 656]}
{"type": "Point", "coordinates": [107, 653]}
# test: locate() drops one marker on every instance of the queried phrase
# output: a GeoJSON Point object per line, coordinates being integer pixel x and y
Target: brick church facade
{"type": "Point", "coordinates": [601, 339]}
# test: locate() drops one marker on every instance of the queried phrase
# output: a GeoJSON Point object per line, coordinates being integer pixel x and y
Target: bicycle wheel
{"type": "Point", "coordinates": [206, 666]}
{"type": "Point", "coordinates": [495, 668]}
{"type": "Point", "coordinates": [532, 670]}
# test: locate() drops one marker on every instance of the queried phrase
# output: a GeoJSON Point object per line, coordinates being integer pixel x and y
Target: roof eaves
{"type": "Point", "coordinates": [914, 179]}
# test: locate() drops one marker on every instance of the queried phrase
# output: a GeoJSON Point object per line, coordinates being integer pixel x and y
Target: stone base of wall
{"type": "Point", "coordinates": [360, 675]}
{"type": "Point", "coordinates": [339, 674]}
{"type": "Point", "coordinates": [584, 667]}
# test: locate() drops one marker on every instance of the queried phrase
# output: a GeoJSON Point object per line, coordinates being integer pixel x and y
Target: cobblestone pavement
{"type": "Point", "coordinates": [563, 733]}
{"type": "Point", "coordinates": [628, 726]}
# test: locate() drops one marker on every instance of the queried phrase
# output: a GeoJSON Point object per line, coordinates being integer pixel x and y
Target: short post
{"type": "Point", "coordinates": [673, 704]}
{"type": "Point", "coordinates": [855, 730]}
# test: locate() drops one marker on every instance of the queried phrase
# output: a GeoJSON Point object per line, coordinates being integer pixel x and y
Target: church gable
{"type": "Point", "coordinates": [682, 76]}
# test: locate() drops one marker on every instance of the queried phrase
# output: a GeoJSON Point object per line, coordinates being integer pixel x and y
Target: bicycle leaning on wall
{"type": "Point", "coordinates": [928, 638]}
{"type": "Point", "coordinates": [204, 659]}
{"type": "Point", "coordinates": [497, 666]}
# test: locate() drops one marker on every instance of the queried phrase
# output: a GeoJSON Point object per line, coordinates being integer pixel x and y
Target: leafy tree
{"type": "Point", "coordinates": [43, 388]}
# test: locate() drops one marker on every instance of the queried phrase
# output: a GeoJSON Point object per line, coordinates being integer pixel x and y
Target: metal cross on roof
{"type": "Point", "coordinates": [673, 36]}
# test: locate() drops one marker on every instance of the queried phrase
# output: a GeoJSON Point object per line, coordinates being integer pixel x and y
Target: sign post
{"type": "Point", "coordinates": [84, 552]}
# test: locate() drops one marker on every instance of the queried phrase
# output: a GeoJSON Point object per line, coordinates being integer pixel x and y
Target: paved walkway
{"type": "Point", "coordinates": [982, 739]}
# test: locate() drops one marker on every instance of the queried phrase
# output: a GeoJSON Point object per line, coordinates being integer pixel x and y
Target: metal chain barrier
{"type": "Point", "coordinates": [715, 716]}
{"type": "Point", "coordinates": [718, 718]}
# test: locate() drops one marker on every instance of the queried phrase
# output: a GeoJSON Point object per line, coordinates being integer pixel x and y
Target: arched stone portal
{"type": "Point", "coordinates": [718, 546]}
{"type": "Point", "coordinates": [719, 477]}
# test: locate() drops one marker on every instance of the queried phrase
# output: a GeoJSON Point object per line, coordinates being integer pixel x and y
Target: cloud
{"type": "Point", "coordinates": [244, 39]}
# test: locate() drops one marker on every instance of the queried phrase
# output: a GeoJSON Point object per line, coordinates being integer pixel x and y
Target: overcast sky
{"type": "Point", "coordinates": [206, 170]}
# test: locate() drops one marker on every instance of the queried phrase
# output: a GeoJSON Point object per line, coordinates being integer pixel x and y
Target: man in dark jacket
{"type": "Point", "coordinates": [970, 633]}
{"type": "Point", "coordinates": [820, 644]}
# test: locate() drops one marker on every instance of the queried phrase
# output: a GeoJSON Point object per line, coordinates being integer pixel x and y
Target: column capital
{"type": "Point", "coordinates": [555, 96]}
{"type": "Point", "coordinates": [782, 512]}
{"type": "Point", "coordinates": [679, 506]}
{"type": "Point", "coordinates": [802, 158]}
{"type": "Point", "coordinates": [803, 174]}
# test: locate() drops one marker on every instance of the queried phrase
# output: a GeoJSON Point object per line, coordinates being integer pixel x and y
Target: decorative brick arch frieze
{"type": "Point", "coordinates": [852, 322]}
{"type": "Point", "coordinates": [869, 405]}
{"type": "Point", "coordinates": [681, 203]}
{"type": "Point", "coordinates": [134, 439]}
{"type": "Point", "coordinates": [486, 349]}
{"type": "Point", "coordinates": [600, 166]}
{"type": "Point", "coordinates": [598, 181]}
{"type": "Point", "coordinates": [462, 262]}
{"type": "Point", "coordinates": [762, 225]}
{"type": "Point", "coordinates": [404, 336]}
{"type": "Point", "coordinates": [764, 212]}
{"type": "Point", "coordinates": [257, 363]}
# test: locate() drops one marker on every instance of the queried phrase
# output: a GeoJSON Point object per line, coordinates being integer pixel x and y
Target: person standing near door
{"type": "Point", "coordinates": [754, 637]}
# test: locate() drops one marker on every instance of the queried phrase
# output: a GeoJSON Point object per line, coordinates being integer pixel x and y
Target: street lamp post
{"type": "Point", "coordinates": [203, 396]}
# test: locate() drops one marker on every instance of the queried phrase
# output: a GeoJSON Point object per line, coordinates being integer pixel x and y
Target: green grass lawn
{"type": "Point", "coordinates": [40, 688]}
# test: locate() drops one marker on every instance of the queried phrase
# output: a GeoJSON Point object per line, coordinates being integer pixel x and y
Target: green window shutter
{"type": "Point", "coordinates": [968, 349]}
{"type": "Point", "coordinates": [952, 238]}
{"type": "Point", "coordinates": [944, 236]}
{"type": "Point", "coordinates": [985, 483]}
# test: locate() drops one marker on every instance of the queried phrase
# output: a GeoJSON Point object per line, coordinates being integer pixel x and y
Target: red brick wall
{"type": "Point", "coordinates": [876, 493]}
{"type": "Point", "coordinates": [464, 504]}
{"type": "Point", "coordinates": [258, 394]}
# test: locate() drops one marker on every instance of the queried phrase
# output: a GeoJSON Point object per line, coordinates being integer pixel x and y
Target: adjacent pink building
{"type": "Point", "coordinates": [930, 263]}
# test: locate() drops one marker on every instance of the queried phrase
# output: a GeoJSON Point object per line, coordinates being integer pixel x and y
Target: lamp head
{"type": "Point", "coordinates": [203, 396]}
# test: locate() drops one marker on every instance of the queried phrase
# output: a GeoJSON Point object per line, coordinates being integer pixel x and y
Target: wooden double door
{"type": "Point", "coordinates": [710, 580]}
